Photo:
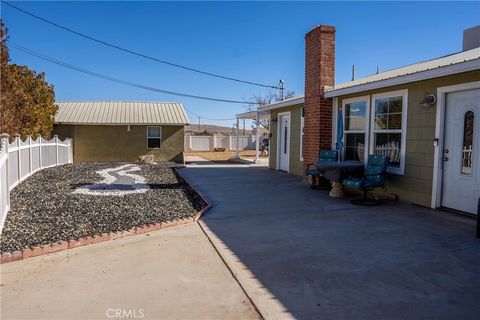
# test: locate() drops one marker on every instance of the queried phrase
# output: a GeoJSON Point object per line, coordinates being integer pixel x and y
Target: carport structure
{"type": "Point", "coordinates": [257, 116]}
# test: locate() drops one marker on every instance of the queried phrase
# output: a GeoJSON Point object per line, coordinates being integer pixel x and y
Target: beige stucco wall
{"type": "Point", "coordinates": [295, 164]}
{"type": "Point", "coordinates": [416, 184]}
{"type": "Point", "coordinates": [115, 143]}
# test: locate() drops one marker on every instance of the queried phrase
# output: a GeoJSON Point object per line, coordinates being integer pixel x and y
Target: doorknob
{"type": "Point", "coordinates": [445, 158]}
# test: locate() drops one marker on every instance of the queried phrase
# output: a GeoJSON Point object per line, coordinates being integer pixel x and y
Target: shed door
{"type": "Point", "coordinates": [461, 154]}
{"type": "Point", "coordinates": [284, 143]}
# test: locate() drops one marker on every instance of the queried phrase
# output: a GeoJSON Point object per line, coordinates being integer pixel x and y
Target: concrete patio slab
{"type": "Point", "coordinates": [299, 253]}
{"type": "Point", "coordinates": [196, 160]}
{"type": "Point", "coordinates": [169, 274]}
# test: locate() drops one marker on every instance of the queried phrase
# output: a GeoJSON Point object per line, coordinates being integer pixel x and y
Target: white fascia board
{"type": "Point", "coordinates": [247, 115]}
{"type": "Point", "coordinates": [414, 77]}
{"type": "Point", "coordinates": [282, 104]}
{"type": "Point", "coordinates": [264, 111]}
{"type": "Point", "coordinates": [252, 115]}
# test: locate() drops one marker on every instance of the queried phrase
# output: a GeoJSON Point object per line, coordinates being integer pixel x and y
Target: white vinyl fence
{"type": "Point", "coordinates": [206, 143]}
{"type": "Point", "coordinates": [20, 159]}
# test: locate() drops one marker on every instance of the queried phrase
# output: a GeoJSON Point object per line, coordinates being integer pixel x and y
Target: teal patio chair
{"type": "Point", "coordinates": [374, 178]}
{"type": "Point", "coordinates": [312, 172]}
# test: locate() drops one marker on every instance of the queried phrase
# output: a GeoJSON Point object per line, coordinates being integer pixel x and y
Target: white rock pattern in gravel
{"type": "Point", "coordinates": [117, 181]}
{"type": "Point", "coordinates": [44, 208]}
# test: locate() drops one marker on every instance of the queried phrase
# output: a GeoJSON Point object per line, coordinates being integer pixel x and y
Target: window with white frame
{"type": "Point", "coordinates": [154, 137]}
{"type": "Point", "coordinates": [389, 115]}
{"type": "Point", "coordinates": [355, 112]}
{"type": "Point", "coordinates": [302, 124]}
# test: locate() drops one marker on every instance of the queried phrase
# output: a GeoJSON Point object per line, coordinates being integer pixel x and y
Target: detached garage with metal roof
{"type": "Point", "coordinates": [122, 131]}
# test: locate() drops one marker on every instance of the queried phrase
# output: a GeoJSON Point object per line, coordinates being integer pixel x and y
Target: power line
{"type": "Point", "coordinates": [52, 60]}
{"type": "Point", "coordinates": [206, 118]}
{"type": "Point", "coordinates": [106, 77]}
{"type": "Point", "coordinates": [139, 54]}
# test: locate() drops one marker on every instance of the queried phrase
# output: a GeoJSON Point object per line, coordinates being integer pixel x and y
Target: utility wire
{"type": "Point", "coordinates": [136, 52]}
{"type": "Point", "coordinates": [106, 77]}
{"type": "Point", "coordinates": [206, 118]}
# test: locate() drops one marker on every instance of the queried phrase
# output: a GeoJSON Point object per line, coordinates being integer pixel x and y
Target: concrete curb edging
{"type": "Point", "coordinates": [214, 241]}
{"type": "Point", "coordinates": [65, 245]}
{"type": "Point", "coordinates": [266, 304]}
{"type": "Point", "coordinates": [75, 243]}
{"type": "Point", "coordinates": [205, 199]}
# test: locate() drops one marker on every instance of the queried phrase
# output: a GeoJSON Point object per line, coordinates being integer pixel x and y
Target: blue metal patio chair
{"type": "Point", "coordinates": [314, 173]}
{"type": "Point", "coordinates": [374, 178]}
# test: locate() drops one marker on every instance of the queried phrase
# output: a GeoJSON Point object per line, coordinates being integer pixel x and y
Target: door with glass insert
{"type": "Point", "coordinates": [461, 155]}
{"type": "Point", "coordinates": [284, 142]}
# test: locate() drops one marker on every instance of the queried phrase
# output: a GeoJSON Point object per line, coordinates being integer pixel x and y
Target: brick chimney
{"type": "Point", "coordinates": [319, 72]}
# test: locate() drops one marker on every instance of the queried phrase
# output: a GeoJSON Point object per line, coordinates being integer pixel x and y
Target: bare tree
{"type": "Point", "coordinates": [263, 100]}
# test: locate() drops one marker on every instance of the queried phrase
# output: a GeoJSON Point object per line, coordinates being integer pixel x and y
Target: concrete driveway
{"type": "Point", "coordinates": [168, 274]}
{"type": "Point", "coordinates": [299, 253]}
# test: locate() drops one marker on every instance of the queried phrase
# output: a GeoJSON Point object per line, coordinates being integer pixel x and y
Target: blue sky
{"type": "Point", "coordinates": [261, 42]}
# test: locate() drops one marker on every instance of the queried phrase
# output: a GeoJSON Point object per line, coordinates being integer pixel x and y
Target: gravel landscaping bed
{"type": "Point", "coordinates": [47, 207]}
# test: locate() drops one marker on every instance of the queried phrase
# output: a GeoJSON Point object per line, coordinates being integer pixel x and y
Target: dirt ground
{"type": "Point", "coordinates": [222, 155]}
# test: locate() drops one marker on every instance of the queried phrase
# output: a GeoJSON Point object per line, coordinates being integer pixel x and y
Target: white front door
{"type": "Point", "coordinates": [461, 153]}
{"type": "Point", "coordinates": [284, 142]}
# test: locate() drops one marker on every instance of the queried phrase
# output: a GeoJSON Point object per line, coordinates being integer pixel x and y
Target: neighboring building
{"type": "Point", "coordinates": [122, 131]}
{"type": "Point", "coordinates": [425, 116]}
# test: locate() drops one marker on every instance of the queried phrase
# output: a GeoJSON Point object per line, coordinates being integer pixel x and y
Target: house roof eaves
{"type": "Point", "coordinates": [457, 68]}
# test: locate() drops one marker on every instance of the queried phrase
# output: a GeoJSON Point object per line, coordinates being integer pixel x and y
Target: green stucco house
{"type": "Point", "coordinates": [424, 116]}
{"type": "Point", "coordinates": [108, 131]}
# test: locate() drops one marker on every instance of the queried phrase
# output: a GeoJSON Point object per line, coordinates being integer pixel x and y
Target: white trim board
{"type": "Point", "coordinates": [439, 136]}
{"type": "Point", "coordinates": [334, 122]}
{"type": "Point", "coordinates": [419, 76]}
{"type": "Point", "coordinates": [282, 104]}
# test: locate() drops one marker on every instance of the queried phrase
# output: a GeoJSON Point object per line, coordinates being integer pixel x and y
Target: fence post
{"type": "Point", "coordinates": [30, 167]}
{"type": "Point", "coordinates": [229, 143]}
{"type": "Point", "coordinates": [214, 137]}
{"type": "Point", "coordinates": [70, 150]}
{"type": "Point", "coordinates": [19, 162]}
{"type": "Point", "coordinates": [237, 147]}
{"type": "Point", "coordinates": [4, 142]}
{"type": "Point", "coordinates": [55, 137]}
{"type": "Point", "coordinates": [39, 138]}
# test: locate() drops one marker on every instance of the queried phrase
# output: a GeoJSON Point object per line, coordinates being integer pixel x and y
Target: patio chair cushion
{"type": "Point", "coordinates": [328, 155]}
{"type": "Point", "coordinates": [325, 155]}
{"type": "Point", "coordinates": [358, 183]}
{"type": "Point", "coordinates": [353, 183]}
{"type": "Point", "coordinates": [312, 172]}
{"type": "Point", "coordinates": [376, 167]}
